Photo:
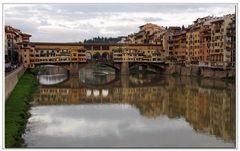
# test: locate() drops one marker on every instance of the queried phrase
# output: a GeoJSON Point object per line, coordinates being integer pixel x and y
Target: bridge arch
{"type": "Point", "coordinates": [150, 66]}
{"type": "Point", "coordinates": [106, 55]}
{"type": "Point", "coordinates": [88, 56]}
{"type": "Point", "coordinates": [116, 67]}
{"type": "Point", "coordinates": [96, 55]}
{"type": "Point", "coordinates": [57, 66]}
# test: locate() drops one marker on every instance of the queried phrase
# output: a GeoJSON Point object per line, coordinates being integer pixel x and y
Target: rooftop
{"type": "Point", "coordinates": [86, 44]}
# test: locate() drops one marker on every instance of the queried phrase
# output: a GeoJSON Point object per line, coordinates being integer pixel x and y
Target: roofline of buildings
{"type": "Point", "coordinates": [25, 34]}
{"type": "Point", "coordinates": [86, 44]}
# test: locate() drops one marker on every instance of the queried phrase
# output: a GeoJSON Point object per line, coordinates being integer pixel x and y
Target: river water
{"type": "Point", "coordinates": [101, 109]}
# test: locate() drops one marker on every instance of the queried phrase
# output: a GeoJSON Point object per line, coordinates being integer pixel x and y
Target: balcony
{"type": "Point", "coordinates": [231, 26]}
{"type": "Point", "coordinates": [231, 33]}
{"type": "Point", "coordinates": [217, 30]}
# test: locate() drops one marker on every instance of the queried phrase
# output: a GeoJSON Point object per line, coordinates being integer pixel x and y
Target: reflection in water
{"type": "Point", "coordinates": [104, 93]}
{"type": "Point", "coordinates": [140, 79]}
{"type": "Point", "coordinates": [161, 112]}
{"type": "Point", "coordinates": [52, 79]}
{"type": "Point", "coordinates": [93, 75]}
{"type": "Point", "coordinates": [52, 75]}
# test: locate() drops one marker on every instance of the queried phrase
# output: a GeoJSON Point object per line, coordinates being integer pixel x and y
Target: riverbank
{"type": "Point", "coordinates": [16, 110]}
{"type": "Point", "coordinates": [201, 72]}
{"type": "Point", "coordinates": [11, 79]}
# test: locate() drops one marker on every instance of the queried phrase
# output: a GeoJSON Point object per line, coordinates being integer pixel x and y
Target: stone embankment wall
{"type": "Point", "coordinates": [12, 79]}
{"type": "Point", "coordinates": [204, 72]}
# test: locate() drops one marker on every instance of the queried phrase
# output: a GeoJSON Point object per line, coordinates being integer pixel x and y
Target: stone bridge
{"type": "Point", "coordinates": [120, 67]}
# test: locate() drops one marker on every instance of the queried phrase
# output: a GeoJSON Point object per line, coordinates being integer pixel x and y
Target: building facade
{"type": "Point", "coordinates": [179, 46]}
{"type": "Point", "coordinates": [45, 53]}
{"type": "Point", "coordinates": [138, 53]}
{"type": "Point", "coordinates": [223, 48]}
{"type": "Point", "coordinates": [193, 44]}
{"type": "Point", "coordinates": [14, 36]}
{"type": "Point", "coordinates": [205, 42]}
{"type": "Point", "coordinates": [209, 41]}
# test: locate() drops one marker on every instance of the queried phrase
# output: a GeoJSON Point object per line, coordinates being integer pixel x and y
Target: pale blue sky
{"type": "Point", "coordinates": [76, 22]}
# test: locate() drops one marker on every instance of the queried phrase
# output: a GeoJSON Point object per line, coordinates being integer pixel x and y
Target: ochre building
{"type": "Point", "coordinates": [53, 53]}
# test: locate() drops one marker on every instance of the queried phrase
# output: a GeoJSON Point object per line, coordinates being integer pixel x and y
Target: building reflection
{"type": "Point", "coordinates": [207, 105]}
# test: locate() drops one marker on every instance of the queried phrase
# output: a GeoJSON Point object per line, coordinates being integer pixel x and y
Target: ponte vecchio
{"type": "Point", "coordinates": [36, 53]}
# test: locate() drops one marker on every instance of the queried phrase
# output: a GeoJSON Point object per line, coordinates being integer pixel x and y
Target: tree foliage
{"type": "Point", "coordinates": [103, 40]}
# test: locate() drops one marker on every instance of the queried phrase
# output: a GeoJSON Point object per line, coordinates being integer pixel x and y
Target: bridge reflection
{"type": "Point", "coordinates": [207, 105]}
{"type": "Point", "coordinates": [52, 74]}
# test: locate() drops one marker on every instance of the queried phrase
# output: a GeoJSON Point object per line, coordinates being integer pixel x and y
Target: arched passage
{"type": "Point", "coordinates": [105, 56]}
{"type": "Point", "coordinates": [96, 56]}
{"type": "Point", "coordinates": [148, 66]}
{"type": "Point", "coordinates": [88, 56]}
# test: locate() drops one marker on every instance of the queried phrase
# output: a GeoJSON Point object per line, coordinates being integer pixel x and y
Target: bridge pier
{"type": "Point", "coordinates": [73, 68]}
{"type": "Point", "coordinates": [125, 68]}
{"type": "Point", "coordinates": [124, 81]}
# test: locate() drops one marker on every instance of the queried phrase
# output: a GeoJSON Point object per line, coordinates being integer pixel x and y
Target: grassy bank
{"type": "Point", "coordinates": [16, 110]}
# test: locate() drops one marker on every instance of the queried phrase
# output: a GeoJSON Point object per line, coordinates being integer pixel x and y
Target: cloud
{"type": "Point", "coordinates": [23, 24]}
{"type": "Point", "coordinates": [151, 19]}
{"type": "Point", "coordinates": [46, 22]}
{"type": "Point", "coordinates": [108, 126]}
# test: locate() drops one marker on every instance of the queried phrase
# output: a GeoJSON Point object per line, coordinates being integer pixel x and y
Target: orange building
{"type": "Point", "coordinates": [205, 42]}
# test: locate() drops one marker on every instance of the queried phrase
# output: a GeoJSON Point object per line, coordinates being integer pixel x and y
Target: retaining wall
{"type": "Point", "coordinates": [200, 71]}
{"type": "Point", "coordinates": [12, 79]}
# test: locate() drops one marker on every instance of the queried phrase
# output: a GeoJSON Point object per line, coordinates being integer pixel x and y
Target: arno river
{"type": "Point", "coordinates": [97, 108]}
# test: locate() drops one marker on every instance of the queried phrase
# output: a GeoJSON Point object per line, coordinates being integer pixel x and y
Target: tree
{"type": "Point", "coordinates": [183, 27]}
{"type": "Point", "coordinates": [103, 40]}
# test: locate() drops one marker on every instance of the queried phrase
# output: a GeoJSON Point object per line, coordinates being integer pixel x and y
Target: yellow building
{"type": "Point", "coordinates": [193, 44]}
{"type": "Point", "coordinates": [45, 53]}
{"type": "Point", "coordinates": [138, 53]}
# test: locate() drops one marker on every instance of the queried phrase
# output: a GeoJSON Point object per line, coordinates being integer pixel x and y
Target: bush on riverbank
{"type": "Point", "coordinates": [16, 110]}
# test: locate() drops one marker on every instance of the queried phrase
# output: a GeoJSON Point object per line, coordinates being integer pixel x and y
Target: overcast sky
{"type": "Point", "coordinates": [76, 22]}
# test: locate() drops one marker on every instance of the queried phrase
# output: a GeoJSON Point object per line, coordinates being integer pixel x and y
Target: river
{"type": "Point", "coordinates": [101, 109]}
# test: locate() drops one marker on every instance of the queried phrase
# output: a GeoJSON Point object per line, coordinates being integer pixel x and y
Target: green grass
{"type": "Point", "coordinates": [16, 110]}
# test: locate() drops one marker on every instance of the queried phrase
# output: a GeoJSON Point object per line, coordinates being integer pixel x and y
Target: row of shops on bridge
{"type": "Point", "coordinates": [43, 53]}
